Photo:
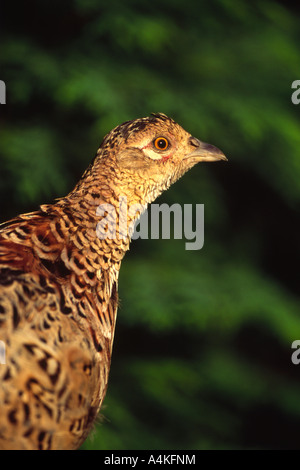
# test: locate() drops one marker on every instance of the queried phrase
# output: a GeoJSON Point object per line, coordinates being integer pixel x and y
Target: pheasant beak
{"type": "Point", "coordinates": [204, 152]}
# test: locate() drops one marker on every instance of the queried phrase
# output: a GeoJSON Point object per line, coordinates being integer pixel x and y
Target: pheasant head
{"type": "Point", "coordinates": [142, 158]}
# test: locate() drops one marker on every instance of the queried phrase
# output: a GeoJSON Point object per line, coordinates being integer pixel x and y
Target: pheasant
{"type": "Point", "coordinates": [59, 284]}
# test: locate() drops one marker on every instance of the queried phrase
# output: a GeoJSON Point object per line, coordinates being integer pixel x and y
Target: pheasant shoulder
{"type": "Point", "coordinates": [58, 305]}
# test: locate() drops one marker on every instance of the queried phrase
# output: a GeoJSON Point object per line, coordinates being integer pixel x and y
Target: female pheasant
{"type": "Point", "coordinates": [58, 284]}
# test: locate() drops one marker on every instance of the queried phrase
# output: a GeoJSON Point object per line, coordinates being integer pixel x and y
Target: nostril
{"type": "Point", "coordinates": [195, 142]}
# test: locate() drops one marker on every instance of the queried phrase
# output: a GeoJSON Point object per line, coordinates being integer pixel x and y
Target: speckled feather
{"type": "Point", "coordinates": [59, 283]}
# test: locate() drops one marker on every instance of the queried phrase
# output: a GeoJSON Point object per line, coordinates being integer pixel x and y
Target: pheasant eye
{"type": "Point", "coordinates": [161, 143]}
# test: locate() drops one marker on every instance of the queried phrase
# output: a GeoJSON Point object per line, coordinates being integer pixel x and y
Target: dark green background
{"type": "Point", "coordinates": [202, 354]}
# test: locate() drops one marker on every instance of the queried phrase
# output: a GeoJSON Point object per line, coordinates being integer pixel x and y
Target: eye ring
{"type": "Point", "coordinates": [161, 143]}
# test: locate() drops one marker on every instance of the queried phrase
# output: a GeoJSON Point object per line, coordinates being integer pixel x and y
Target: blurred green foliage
{"type": "Point", "coordinates": [202, 355]}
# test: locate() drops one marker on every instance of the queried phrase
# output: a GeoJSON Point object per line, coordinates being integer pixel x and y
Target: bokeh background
{"type": "Point", "coordinates": [202, 353]}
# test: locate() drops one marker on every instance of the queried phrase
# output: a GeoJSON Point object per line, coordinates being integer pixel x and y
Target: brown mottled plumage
{"type": "Point", "coordinates": [58, 285]}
